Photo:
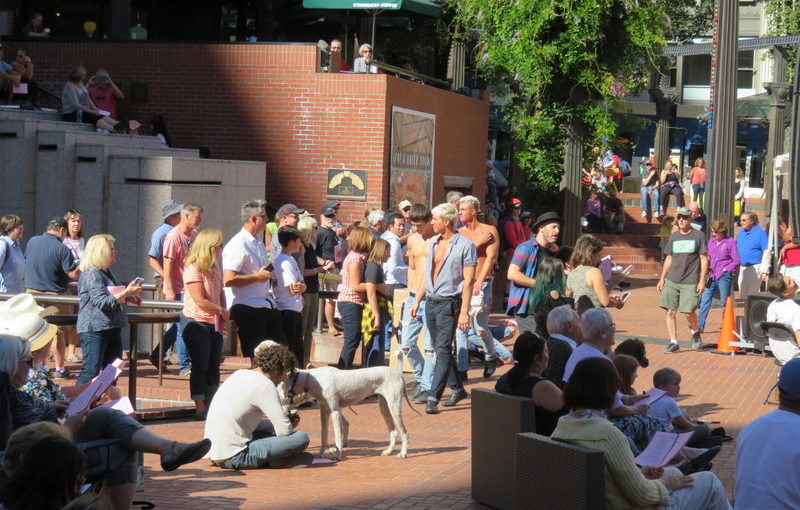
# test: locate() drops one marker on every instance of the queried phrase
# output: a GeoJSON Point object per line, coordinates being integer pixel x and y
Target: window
{"type": "Point", "coordinates": [744, 70]}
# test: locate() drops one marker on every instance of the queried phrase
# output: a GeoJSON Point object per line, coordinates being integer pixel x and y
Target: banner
{"type": "Point", "coordinates": [411, 166]}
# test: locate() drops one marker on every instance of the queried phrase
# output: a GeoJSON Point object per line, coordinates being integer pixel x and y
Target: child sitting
{"type": "Point", "coordinates": [667, 410]}
{"type": "Point", "coordinates": [594, 212]}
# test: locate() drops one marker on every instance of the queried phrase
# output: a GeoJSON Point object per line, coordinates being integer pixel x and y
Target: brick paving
{"type": "Point", "coordinates": [437, 472]}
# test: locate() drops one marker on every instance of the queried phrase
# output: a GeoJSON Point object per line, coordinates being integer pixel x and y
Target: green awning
{"type": "Point", "coordinates": [425, 7]}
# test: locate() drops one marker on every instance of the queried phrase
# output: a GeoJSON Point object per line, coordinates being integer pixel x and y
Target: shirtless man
{"type": "Point", "coordinates": [487, 243]}
{"type": "Point", "coordinates": [449, 275]}
{"type": "Point", "coordinates": [418, 246]}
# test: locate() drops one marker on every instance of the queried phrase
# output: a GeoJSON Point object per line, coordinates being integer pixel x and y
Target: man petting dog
{"type": "Point", "coordinates": [449, 276]}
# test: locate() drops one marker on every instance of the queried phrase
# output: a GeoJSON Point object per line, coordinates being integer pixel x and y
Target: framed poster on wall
{"type": "Point", "coordinates": [411, 165]}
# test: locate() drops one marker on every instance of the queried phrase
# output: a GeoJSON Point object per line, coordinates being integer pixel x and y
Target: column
{"type": "Point", "coordinates": [778, 92]}
{"type": "Point", "coordinates": [571, 183]}
{"type": "Point", "coordinates": [722, 112]}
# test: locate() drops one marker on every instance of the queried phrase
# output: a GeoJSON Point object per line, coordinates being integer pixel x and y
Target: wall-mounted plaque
{"type": "Point", "coordinates": [347, 184]}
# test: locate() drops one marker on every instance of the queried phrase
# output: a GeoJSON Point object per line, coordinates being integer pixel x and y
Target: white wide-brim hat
{"type": "Point", "coordinates": [32, 328]}
{"type": "Point", "coordinates": [23, 303]}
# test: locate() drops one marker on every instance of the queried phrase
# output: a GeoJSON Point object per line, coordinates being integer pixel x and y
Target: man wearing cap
{"type": "Point", "coordinates": [513, 229]}
{"type": "Point", "coordinates": [246, 271]}
{"type": "Point", "coordinates": [327, 241]}
{"type": "Point", "coordinates": [170, 216]}
{"type": "Point", "coordinates": [176, 247]}
{"type": "Point", "coordinates": [683, 278]}
{"type": "Point", "coordinates": [786, 311]}
{"type": "Point", "coordinates": [287, 216]}
{"type": "Point", "coordinates": [523, 264]}
{"type": "Point", "coordinates": [487, 245]}
{"type": "Point", "coordinates": [405, 208]}
{"type": "Point", "coordinates": [752, 243]}
{"type": "Point", "coordinates": [49, 269]}
{"type": "Point", "coordinates": [649, 188]}
{"type": "Point", "coordinates": [449, 275]}
{"type": "Point", "coordinates": [395, 269]}
{"type": "Point", "coordinates": [767, 455]}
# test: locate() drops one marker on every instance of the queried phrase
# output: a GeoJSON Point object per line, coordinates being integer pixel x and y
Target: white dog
{"type": "Point", "coordinates": [337, 389]}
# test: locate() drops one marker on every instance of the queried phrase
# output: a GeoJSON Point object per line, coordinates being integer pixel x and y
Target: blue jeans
{"type": "Point", "coordinates": [721, 286]}
{"type": "Point", "coordinates": [266, 446]}
{"type": "Point", "coordinates": [408, 341]}
{"type": "Point", "coordinates": [99, 349]}
{"type": "Point", "coordinates": [380, 342]}
{"type": "Point", "coordinates": [442, 319]}
{"type": "Point", "coordinates": [184, 360]}
{"type": "Point", "coordinates": [480, 324]}
{"type": "Point", "coordinates": [645, 190]}
{"type": "Point", "coordinates": [351, 321]}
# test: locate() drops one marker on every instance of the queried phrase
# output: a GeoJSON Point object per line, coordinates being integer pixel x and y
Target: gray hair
{"type": "Point", "coordinates": [189, 207]}
{"type": "Point", "coordinates": [12, 348]}
{"type": "Point", "coordinates": [306, 225]}
{"type": "Point", "coordinates": [446, 211]}
{"type": "Point", "coordinates": [365, 46]}
{"type": "Point", "coordinates": [559, 318]}
{"type": "Point", "coordinates": [470, 201]}
{"type": "Point", "coordinates": [252, 208]}
{"type": "Point", "coordinates": [593, 322]}
{"type": "Point", "coordinates": [375, 216]}
{"type": "Point", "coordinates": [453, 196]}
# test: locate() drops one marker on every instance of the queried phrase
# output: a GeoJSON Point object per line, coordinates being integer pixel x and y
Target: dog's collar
{"type": "Point", "coordinates": [294, 378]}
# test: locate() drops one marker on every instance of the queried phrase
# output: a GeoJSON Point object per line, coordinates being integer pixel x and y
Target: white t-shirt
{"type": "Point", "coordinates": [786, 311]}
{"type": "Point", "coordinates": [767, 456]}
{"type": "Point", "coordinates": [237, 409]}
{"type": "Point", "coordinates": [581, 353]}
{"type": "Point", "coordinates": [665, 409]}
{"type": "Point", "coordinates": [287, 271]}
{"type": "Point", "coordinates": [246, 254]}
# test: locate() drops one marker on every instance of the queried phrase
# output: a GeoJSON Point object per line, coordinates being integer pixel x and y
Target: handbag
{"type": "Point", "coordinates": [737, 207]}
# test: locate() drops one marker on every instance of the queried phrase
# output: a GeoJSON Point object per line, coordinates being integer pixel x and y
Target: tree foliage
{"type": "Point", "coordinates": [563, 59]}
{"type": "Point", "coordinates": [784, 19]}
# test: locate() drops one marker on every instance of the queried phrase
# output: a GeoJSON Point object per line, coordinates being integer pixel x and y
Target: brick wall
{"type": "Point", "coordinates": [265, 102]}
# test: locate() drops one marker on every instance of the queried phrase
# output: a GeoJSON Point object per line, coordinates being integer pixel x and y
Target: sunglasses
{"type": "Point", "coordinates": [682, 217]}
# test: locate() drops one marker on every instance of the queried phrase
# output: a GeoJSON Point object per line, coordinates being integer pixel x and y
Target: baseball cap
{"type": "Point", "coordinates": [170, 208]}
{"type": "Point", "coordinates": [327, 211]}
{"type": "Point", "coordinates": [684, 211]}
{"type": "Point", "coordinates": [287, 209]}
{"type": "Point", "coordinates": [331, 204]}
{"type": "Point", "coordinates": [789, 378]}
{"type": "Point", "coordinates": [648, 163]}
{"type": "Point", "coordinates": [514, 202]}
{"type": "Point", "coordinates": [405, 203]}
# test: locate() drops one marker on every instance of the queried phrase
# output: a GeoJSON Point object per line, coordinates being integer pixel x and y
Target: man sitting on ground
{"type": "Point", "coordinates": [786, 311]}
{"type": "Point", "coordinates": [765, 449]}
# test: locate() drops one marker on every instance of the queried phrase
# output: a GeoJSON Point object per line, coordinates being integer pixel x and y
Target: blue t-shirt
{"type": "Point", "coordinates": [157, 242]}
{"type": "Point", "coordinates": [49, 261]}
{"type": "Point", "coordinates": [751, 245]}
{"type": "Point", "coordinates": [5, 67]}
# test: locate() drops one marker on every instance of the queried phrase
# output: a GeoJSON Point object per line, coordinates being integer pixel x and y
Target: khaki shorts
{"type": "Point", "coordinates": [681, 297]}
{"type": "Point", "coordinates": [63, 309]}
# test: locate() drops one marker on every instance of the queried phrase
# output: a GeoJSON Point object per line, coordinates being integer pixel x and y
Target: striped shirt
{"type": "Point", "coordinates": [526, 257]}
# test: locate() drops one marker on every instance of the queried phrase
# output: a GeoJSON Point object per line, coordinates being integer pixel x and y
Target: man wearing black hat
{"type": "Point", "coordinates": [766, 451]}
{"type": "Point", "coordinates": [522, 268]}
{"type": "Point", "coordinates": [287, 216]}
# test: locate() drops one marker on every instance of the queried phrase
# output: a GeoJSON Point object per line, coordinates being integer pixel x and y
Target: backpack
{"type": "Point", "coordinates": [625, 167]}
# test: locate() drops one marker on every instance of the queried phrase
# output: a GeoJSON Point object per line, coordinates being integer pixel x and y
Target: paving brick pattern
{"type": "Point", "coordinates": [437, 472]}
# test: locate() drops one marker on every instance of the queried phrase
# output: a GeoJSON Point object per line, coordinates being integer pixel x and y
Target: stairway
{"type": "Point", "coordinates": [638, 245]}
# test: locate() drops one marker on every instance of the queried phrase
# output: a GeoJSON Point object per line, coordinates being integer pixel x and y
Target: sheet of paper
{"type": "Point", "coordinates": [652, 395]}
{"type": "Point", "coordinates": [121, 404]}
{"type": "Point", "coordinates": [96, 388]}
{"type": "Point", "coordinates": [116, 289]}
{"type": "Point", "coordinates": [662, 448]}
{"type": "Point", "coordinates": [22, 88]}
{"type": "Point", "coordinates": [104, 113]}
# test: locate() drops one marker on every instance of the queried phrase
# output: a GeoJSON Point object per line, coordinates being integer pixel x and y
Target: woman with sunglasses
{"type": "Point", "coordinates": [670, 185]}
{"type": "Point", "coordinates": [723, 264]}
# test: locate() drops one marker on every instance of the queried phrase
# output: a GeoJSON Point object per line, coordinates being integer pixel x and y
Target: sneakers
{"type": "Point", "coordinates": [671, 348]}
{"type": "Point", "coordinates": [421, 398]}
{"type": "Point", "coordinates": [431, 408]}
{"type": "Point", "coordinates": [656, 214]}
{"type": "Point", "coordinates": [489, 368]}
{"type": "Point", "coordinates": [644, 214]}
{"type": "Point", "coordinates": [294, 462]}
{"type": "Point", "coordinates": [697, 342]}
{"type": "Point", "coordinates": [64, 373]}
{"type": "Point", "coordinates": [455, 398]}
{"type": "Point", "coordinates": [186, 372]}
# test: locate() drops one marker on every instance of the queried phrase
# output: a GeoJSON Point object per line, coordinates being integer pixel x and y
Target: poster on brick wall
{"type": "Point", "coordinates": [411, 166]}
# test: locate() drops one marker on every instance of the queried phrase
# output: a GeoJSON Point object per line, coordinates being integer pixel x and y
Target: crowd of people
{"type": "Point", "coordinates": [266, 278]}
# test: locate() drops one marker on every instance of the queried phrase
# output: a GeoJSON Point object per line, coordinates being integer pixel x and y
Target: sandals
{"type": "Point", "coordinates": [192, 453]}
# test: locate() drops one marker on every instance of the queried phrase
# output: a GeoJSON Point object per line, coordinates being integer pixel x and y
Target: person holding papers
{"type": "Point", "coordinates": [204, 314]}
{"type": "Point", "coordinates": [19, 333]}
{"type": "Point", "coordinates": [101, 313]}
{"type": "Point", "coordinates": [591, 389]}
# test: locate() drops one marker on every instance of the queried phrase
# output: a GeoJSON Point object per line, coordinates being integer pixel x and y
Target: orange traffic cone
{"type": "Point", "coordinates": [726, 335]}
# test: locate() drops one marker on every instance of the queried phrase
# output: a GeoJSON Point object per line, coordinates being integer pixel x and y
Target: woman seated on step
{"type": "Point", "coordinates": [77, 106]}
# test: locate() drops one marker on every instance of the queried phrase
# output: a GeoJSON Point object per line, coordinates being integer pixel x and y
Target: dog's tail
{"type": "Point", "coordinates": [405, 394]}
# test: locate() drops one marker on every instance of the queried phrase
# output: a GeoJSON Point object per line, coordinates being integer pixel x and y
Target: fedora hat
{"type": "Point", "coordinates": [23, 303]}
{"type": "Point", "coordinates": [32, 328]}
{"type": "Point", "coordinates": [546, 217]}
